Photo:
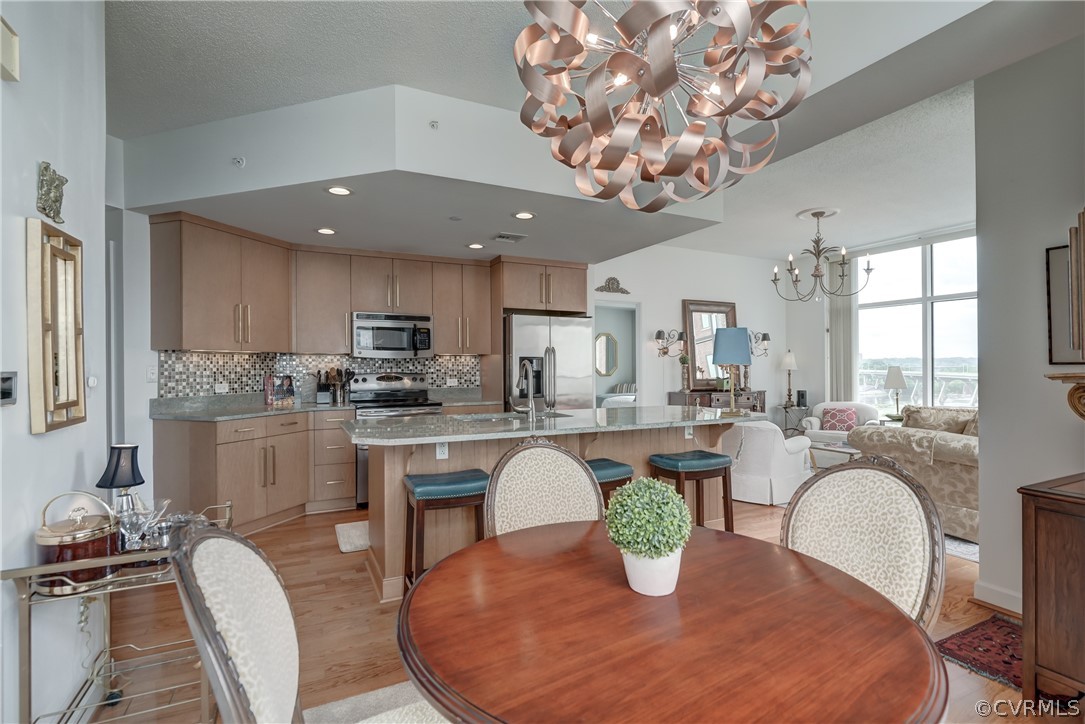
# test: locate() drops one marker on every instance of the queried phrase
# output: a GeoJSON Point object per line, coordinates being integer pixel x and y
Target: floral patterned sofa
{"type": "Point", "coordinates": [939, 446]}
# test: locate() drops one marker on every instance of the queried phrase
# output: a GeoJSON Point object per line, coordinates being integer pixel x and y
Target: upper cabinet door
{"type": "Point", "coordinates": [523, 286]}
{"type": "Point", "coordinates": [322, 310]}
{"type": "Point", "coordinates": [566, 289]}
{"type": "Point", "coordinates": [211, 313]}
{"type": "Point", "coordinates": [448, 309]}
{"type": "Point", "coordinates": [265, 296]}
{"type": "Point", "coordinates": [412, 286]}
{"type": "Point", "coordinates": [371, 284]}
{"type": "Point", "coordinates": [476, 309]}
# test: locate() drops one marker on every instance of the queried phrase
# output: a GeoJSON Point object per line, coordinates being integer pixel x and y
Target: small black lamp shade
{"type": "Point", "coordinates": [122, 470]}
{"type": "Point", "coordinates": [660, 335]}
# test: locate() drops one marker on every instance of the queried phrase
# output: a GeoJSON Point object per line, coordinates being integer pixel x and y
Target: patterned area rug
{"type": "Point", "coordinates": [962, 549]}
{"type": "Point", "coordinates": [991, 648]}
{"type": "Point", "coordinates": [397, 704]}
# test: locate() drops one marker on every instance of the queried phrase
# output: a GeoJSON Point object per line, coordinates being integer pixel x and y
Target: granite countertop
{"type": "Point", "coordinates": [489, 426]}
{"type": "Point", "coordinates": [460, 396]}
{"type": "Point", "coordinates": [228, 407]}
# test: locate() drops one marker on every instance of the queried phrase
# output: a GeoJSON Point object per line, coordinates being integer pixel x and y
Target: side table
{"type": "Point", "coordinates": [793, 415]}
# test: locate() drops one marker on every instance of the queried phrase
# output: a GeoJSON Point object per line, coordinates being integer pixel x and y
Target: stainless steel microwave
{"type": "Point", "coordinates": [391, 335]}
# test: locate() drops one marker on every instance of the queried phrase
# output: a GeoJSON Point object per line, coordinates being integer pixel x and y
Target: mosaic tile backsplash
{"type": "Point", "coordinates": [188, 374]}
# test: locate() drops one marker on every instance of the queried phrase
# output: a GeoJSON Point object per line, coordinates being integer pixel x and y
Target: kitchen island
{"type": "Point", "coordinates": [399, 446]}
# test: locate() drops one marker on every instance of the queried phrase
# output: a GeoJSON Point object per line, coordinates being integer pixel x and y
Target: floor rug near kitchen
{"type": "Point", "coordinates": [991, 648]}
{"type": "Point", "coordinates": [962, 548]}
{"type": "Point", "coordinates": [397, 704]}
{"type": "Point", "coordinates": [352, 536]}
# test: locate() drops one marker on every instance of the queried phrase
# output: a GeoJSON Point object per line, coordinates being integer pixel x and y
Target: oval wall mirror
{"type": "Point", "coordinates": [606, 354]}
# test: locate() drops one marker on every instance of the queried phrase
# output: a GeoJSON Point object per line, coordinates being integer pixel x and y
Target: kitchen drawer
{"type": "Point", "coordinates": [334, 481]}
{"type": "Point", "coordinates": [331, 419]}
{"type": "Point", "coordinates": [333, 446]}
{"type": "Point", "coordinates": [285, 424]}
{"type": "Point", "coordinates": [247, 428]}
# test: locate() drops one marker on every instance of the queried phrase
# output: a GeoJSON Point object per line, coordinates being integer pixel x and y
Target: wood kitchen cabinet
{"type": "Point", "coordinates": [400, 286]}
{"type": "Point", "coordinates": [322, 303]}
{"type": "Point", "coordinates": [542, 287]}
{"type": "Point", "coordinates": [288, 474]}
{"type": "Point", "coordinates": [334, 463]}
{"type": "Point", "coordinates": [461, 309]}
{"type": "Point", "coordinates": [216, 290]}
{"type": "Point", "coordinates": [1053, 600]}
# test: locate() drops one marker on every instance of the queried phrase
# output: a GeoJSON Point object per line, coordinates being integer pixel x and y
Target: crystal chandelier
{"type": "Point", "coordinates": [821, 253]}
{"type": "Point", "coordinates": [608, 97]}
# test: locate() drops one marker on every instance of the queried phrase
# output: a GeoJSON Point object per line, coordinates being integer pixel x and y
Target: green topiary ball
{"type": "Point", "coordinates": [648, 518]}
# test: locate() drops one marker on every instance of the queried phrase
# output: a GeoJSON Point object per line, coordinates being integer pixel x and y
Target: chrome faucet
{"type": "Point", "coordinates": [525, 382]}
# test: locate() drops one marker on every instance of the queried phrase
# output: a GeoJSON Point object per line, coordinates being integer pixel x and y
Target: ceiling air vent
{"type": "Point", "coordinates": [509, 238]}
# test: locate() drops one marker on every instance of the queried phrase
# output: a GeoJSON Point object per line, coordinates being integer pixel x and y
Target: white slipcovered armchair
{"type": "Point", "coordinates": [766, 468]}
{"type": "Point", "coordinates": [811, 425]}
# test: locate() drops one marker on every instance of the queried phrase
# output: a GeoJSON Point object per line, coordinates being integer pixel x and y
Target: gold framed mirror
{"type": "Point", "coordinates": [701, 320]}
{"type": "Point", "coordinates": [54, 324]}
{"type": "Point", "coordinates": [606, 354]}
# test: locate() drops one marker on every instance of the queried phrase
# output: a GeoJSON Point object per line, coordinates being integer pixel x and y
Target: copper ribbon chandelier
{"type": "Point", "coordinates": [627, 131]}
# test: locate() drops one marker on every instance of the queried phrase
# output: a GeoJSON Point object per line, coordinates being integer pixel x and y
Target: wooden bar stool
{"type": "Point", "coordinates": [696, 466]}
{"type": "Point", "coordinates": [610, 474]}
{"type": "Point", "coordinates": [457, 489]}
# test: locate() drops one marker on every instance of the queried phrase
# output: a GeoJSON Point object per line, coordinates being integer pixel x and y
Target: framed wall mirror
{"type": "Point", "coordinates": [54, 323]}
{"type": "Point", "coordinates": [606, 354]}
{"type": "Point", "coordinates": [702, 319]}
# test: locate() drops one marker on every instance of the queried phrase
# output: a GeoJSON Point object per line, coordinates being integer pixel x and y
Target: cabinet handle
{"type": "Point", "coordinates": [334, 482]}
{"type": "Point", "coordinates": [245, 429]}
{"type": "Point", "coordinates": [237, 323]}
{"type": "Point", "coordinates": [347, 315]}
{"type": "Point", "coordinates": [263, 482]}
{"type": "Point", "coordinates": [273, 475]}
{"type": "Point", "coordinates": [388, 286]}
{"type": "Point", "coordinates": [542, 299]}
{"type": "Point", "coordinates": [397, 291]}
{"type": "Point", "coordinates": [459, 332]}
{"type": "Point", "coordinates": [288, 424]}
{"type": "Point", "coordinates": [334, 447]}
{"type": "Point", "coordinates": [335, 419]}
{"type": "Point", "coordinates": [549, 288]}
{"type": "Point", "coordinates": [468, 333]}
{"type": "Point", "coordinates": [248, 322]}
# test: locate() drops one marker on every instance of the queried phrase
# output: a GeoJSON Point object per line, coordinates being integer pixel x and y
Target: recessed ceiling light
{"type": "Point", "coordinates": [476, 245]}
{"type": "Point", "coordinates": [325, 230]}
{"type": "Point", "coordinates": [339, 190]}
{"type": "Point", "coordinates": [524, 215]}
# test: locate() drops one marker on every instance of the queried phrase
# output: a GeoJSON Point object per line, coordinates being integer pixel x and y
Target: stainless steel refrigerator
{"type": "Point", "coordinates": [559, 350]}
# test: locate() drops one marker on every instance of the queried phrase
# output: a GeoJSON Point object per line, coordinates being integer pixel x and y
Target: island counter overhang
{"type": "Point", "coordinates": [399, 446]}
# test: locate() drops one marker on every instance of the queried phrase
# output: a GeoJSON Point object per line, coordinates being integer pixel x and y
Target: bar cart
{"type": "Point", "coordinates": [117, 676]}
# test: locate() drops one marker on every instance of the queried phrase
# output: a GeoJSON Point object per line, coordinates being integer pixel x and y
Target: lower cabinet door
{"type": "Point", "coordinates": [288, 473]}
{"type": "Point", "coordinates": [241, 470]}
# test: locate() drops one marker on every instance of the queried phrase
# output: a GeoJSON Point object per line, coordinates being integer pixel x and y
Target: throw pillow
{"type": "Point", "coordinates": [841, 419]}
{"type": "Point", "coordinates": [972, 427]}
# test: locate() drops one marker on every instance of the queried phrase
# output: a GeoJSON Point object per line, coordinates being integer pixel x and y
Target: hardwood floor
{"type": "Point", "coordinates": [347, 638]}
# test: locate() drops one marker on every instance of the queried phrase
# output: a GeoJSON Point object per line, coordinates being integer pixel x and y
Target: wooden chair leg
{"type": "Point", "coordinates": [420, 534]}
{"type": "Point", "coordinates": [728, 502]}
{"type": "Point", "coordinates": [408, 570]}
{"type": "Point", "coordinates": [700, 502]}
{"type": "Point", "coordinates": [480, 523]}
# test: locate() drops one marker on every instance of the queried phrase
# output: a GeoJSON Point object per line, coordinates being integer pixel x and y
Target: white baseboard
{"type": "Point", "coordinates": [1001, 597]}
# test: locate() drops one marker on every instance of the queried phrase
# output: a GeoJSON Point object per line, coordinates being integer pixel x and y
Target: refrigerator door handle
{"type": "Point", "coordinates": [552, 379]}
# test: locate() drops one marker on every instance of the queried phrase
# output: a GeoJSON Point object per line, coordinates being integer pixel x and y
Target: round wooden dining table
{"type": "Point", "coordinates": [540, 625]}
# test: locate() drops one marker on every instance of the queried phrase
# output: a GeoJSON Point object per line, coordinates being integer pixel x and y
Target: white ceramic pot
{"type": "Point", "coordinates": [653, 576]}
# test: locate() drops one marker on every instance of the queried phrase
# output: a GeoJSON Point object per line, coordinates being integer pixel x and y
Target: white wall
{"type": "Point", "coordinates": [138, 355]}
{"type": "Point", "coordinates": [660, 277]}
{"type": "Point", "coordinates": [1029, 189]}
{"type": "Point", "coordinates": [56, 113]}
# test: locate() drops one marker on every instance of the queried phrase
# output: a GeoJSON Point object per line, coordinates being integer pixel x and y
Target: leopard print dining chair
{"type": "Point", "coordinates": [538, 483]}
{"type": "Point", "coordinates": [872, 520]}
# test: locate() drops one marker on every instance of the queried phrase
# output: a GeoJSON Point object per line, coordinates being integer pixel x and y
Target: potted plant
{"type": "Point", "coordinates": [650, 523]}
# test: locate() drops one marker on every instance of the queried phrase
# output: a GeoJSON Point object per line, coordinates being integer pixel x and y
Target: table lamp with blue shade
{"type": "Point", "coordinates": [732, 349]}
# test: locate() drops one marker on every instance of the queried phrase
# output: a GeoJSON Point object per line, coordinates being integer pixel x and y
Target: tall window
{"type": "Point", "coordinates": [919, 312]}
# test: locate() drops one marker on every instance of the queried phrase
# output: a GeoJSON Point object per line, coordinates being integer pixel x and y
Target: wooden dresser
{"type": "Point", "coordinates": [1053, 533]}
{"type": "Point", "coordinates": [754, 401]}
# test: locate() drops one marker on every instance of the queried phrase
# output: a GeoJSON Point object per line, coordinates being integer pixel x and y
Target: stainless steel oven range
{"type": "Point", "coordinates": [391, 397]}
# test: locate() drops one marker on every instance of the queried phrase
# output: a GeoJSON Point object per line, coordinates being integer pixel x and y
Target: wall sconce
{"type": "Point", "coordinates": [666, 340]}
{"type": "Point", "coordinates": [759, 344]}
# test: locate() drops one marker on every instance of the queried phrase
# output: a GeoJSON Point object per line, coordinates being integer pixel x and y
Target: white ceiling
{"type": "Point", "coordinates": [175, 64]}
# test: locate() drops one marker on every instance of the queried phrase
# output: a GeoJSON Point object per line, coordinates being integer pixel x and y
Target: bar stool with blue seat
{"type": "Point", "coordinates": [610, 474]}
{"type": "Point", "coordinates": [697, 466]}
{"type": "Point", "coordinates": [458, 489]}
